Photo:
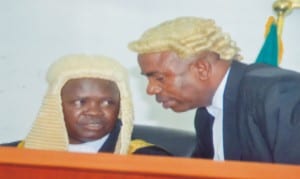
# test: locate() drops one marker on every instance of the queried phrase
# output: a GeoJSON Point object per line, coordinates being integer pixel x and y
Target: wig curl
{"type": "Point", "coordinates": [187, 36]}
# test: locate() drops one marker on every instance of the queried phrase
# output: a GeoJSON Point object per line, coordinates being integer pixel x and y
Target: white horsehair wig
{"type": "Point", "coordinates": [187, 36]}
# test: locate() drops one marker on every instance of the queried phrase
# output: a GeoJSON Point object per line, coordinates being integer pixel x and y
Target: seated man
{"type": "Point", "coordinates": [87, 108]}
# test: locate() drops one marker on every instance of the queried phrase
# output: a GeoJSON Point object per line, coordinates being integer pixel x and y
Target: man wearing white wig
{"type": "Point", "coordinates": [87, 108]}
{"type": "Point", "coordinates": [244, 112]}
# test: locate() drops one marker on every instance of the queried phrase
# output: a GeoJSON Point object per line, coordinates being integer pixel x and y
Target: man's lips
{"type": "Point", "coordinates": [93, 126]}
{"type": "Point", "coordinates": [161, 99]}
{"type": "Point", "coordinates": [166, 103]}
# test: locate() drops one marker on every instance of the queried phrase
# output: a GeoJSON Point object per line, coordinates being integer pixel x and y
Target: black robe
{"type": "Point", "coordinates": [261, 116]}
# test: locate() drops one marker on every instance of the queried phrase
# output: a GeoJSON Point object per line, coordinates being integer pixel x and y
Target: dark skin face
{"type": "Point", "coordinates": [178, 84]}
{"type": "Point", "coordinates": [90, 107]}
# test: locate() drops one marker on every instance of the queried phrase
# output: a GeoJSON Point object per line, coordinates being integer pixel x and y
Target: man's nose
{"type": "Point", "coordinates": [153, 89]}
{"type": "Point", "coordinates": [94, 108]}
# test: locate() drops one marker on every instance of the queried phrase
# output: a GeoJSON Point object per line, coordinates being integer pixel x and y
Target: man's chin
{"type": "Point", "coordinates": [179, 109]}
{"type": "Point", "coordinates": [174, 106]}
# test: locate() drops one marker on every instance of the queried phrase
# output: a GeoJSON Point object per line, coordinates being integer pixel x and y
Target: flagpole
{"type": "Point", "coordinates": [283, 8]}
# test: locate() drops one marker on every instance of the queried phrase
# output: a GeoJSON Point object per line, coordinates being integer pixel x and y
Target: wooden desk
{"type": "Point", "coordinates": [25, 163]}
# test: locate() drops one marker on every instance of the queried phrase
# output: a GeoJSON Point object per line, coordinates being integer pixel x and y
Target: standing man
{"type": "Point", "coordinates": [244, 112]}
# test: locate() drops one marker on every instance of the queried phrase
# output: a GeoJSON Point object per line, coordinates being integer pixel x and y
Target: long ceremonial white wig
{"type": "Point", "coordinates": [49, 131]}
{"type": "Point", "coordinates": [187, 36]}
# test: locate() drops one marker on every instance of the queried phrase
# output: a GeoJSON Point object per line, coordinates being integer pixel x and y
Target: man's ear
{"type": "Point", "coordinates": [202, 68]}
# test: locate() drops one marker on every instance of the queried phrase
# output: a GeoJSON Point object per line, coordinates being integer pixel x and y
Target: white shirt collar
{"type": "Point", "coordinates": [217, 101]}
{"type": "Point", "coordinates": [88, 147]}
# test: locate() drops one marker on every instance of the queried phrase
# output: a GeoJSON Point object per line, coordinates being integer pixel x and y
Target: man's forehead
{"type": "Point", "coordinates": [83, 83]}
{"type": "Point", "coordinates": [154, 63]}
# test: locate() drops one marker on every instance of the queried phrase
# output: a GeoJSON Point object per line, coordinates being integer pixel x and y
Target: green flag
{"type": "Point", "coordinates": [269, 53]}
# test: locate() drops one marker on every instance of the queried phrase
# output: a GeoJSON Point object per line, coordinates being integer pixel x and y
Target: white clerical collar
{"type": "Point", "coordinates": [217, 101]}
{"type": "Point", "coordinates": [88, 147]}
